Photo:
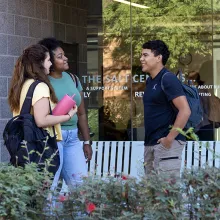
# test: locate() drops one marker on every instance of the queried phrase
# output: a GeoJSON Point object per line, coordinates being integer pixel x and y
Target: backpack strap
{"type": "Point", "coordinates": [181, 79]}
{"type": "Point", "coordinates": [179, 72]}
{"type": "Point", "coordinates": [162, 86]}
{"type": "Point", "coordinates": [54, 133]}
{"type": "Point", "coordinates": [26, 107]}
{"type": "Point", "coordinates": [74, 78]}
{"type": "Point", "coordinates": [161, 82]}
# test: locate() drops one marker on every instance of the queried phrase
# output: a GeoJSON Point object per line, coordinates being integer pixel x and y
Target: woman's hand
{"type": "Point", "coordinates": [44, 119]}
{"type": "Point", "coordinates": [72, 111]}
{"type": "Point", "coordinates": [87, 148]}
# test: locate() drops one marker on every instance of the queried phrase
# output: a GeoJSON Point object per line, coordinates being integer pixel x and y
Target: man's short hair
{"type": "Point", "coordinates": [158, 47]}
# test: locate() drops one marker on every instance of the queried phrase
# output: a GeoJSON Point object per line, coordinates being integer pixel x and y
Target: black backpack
{"type": "Point", "coordinates": [26, 142]}
{"type": "Point", "coordinates": [192, 96]}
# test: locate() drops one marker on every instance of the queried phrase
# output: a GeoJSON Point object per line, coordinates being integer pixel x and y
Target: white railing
{"type": "Point", "coordinates": [111, 157]}
{"type": "Point", "coordinates": [200, 154]}
{"type": "Point", "coordinates": [127, 157]}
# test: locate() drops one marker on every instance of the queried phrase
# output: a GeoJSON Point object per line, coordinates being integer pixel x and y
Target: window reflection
{"type": "Point", "coordinates": [116, 32]}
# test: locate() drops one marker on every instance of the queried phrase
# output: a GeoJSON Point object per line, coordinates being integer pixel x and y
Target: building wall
{"type": "Point", "coordinates": [25, 22]}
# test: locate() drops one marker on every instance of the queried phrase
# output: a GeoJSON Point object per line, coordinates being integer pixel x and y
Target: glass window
{"type": "Point", "coordinates": [116, 32]}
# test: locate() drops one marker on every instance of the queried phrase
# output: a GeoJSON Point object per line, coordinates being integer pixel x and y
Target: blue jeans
{"type": "Point", "coordinates": [72, 160]}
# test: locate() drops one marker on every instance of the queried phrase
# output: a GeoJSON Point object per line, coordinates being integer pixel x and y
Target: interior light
{"type": "Point", "coordinates": [131, 3]}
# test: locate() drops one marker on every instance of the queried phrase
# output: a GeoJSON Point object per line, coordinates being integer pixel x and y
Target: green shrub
{"type": "Point", "coordinates": [23, 194]}
{"type": "Point", "coordinates": [22, 191]}
{"type": "Point", "coordinates": [194, 196]}
{"type": "Point", "coordinates": [202, 190]}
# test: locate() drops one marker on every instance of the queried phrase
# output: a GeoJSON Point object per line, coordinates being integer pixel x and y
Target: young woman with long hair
{"type": "Point", "coordinates": [34, 64]}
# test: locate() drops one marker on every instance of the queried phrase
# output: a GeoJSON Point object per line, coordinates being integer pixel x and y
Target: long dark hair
{"type": "Point", "coordinates": [29, 66]}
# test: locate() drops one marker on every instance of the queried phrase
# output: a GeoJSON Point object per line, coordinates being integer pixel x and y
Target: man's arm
{"type": "Point", "coordinates": [182, 117]}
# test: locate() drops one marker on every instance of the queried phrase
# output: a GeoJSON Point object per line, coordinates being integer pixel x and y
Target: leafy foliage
{"type": "Point", "coordinates": [184, 25]}
{"type": "Point", "coordinates": [194, 196]}
{"type": "Point", "coordinates": [93, 121]}
{"type": "Point", "coordinates": [23, 195]}
{"type": "Point", "coordinates": [22, 191]}
{"type": "Point", "coordinates": [115, 105]}
{"type": "Point", "coordinates": [202, 190]}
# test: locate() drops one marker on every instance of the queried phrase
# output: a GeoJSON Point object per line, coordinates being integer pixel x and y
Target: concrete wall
{"type": "Point", "coordinates": [25, 22]}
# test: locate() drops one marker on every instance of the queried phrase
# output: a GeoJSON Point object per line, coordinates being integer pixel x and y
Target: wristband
{"type": "Point", "coordinates": [87, 142]}
{"type": "Point", "coordinates": [69, 115]}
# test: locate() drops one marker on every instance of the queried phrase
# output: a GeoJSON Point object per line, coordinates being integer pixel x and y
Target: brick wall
{"type": "Point", "coordinates": [25, 22]}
